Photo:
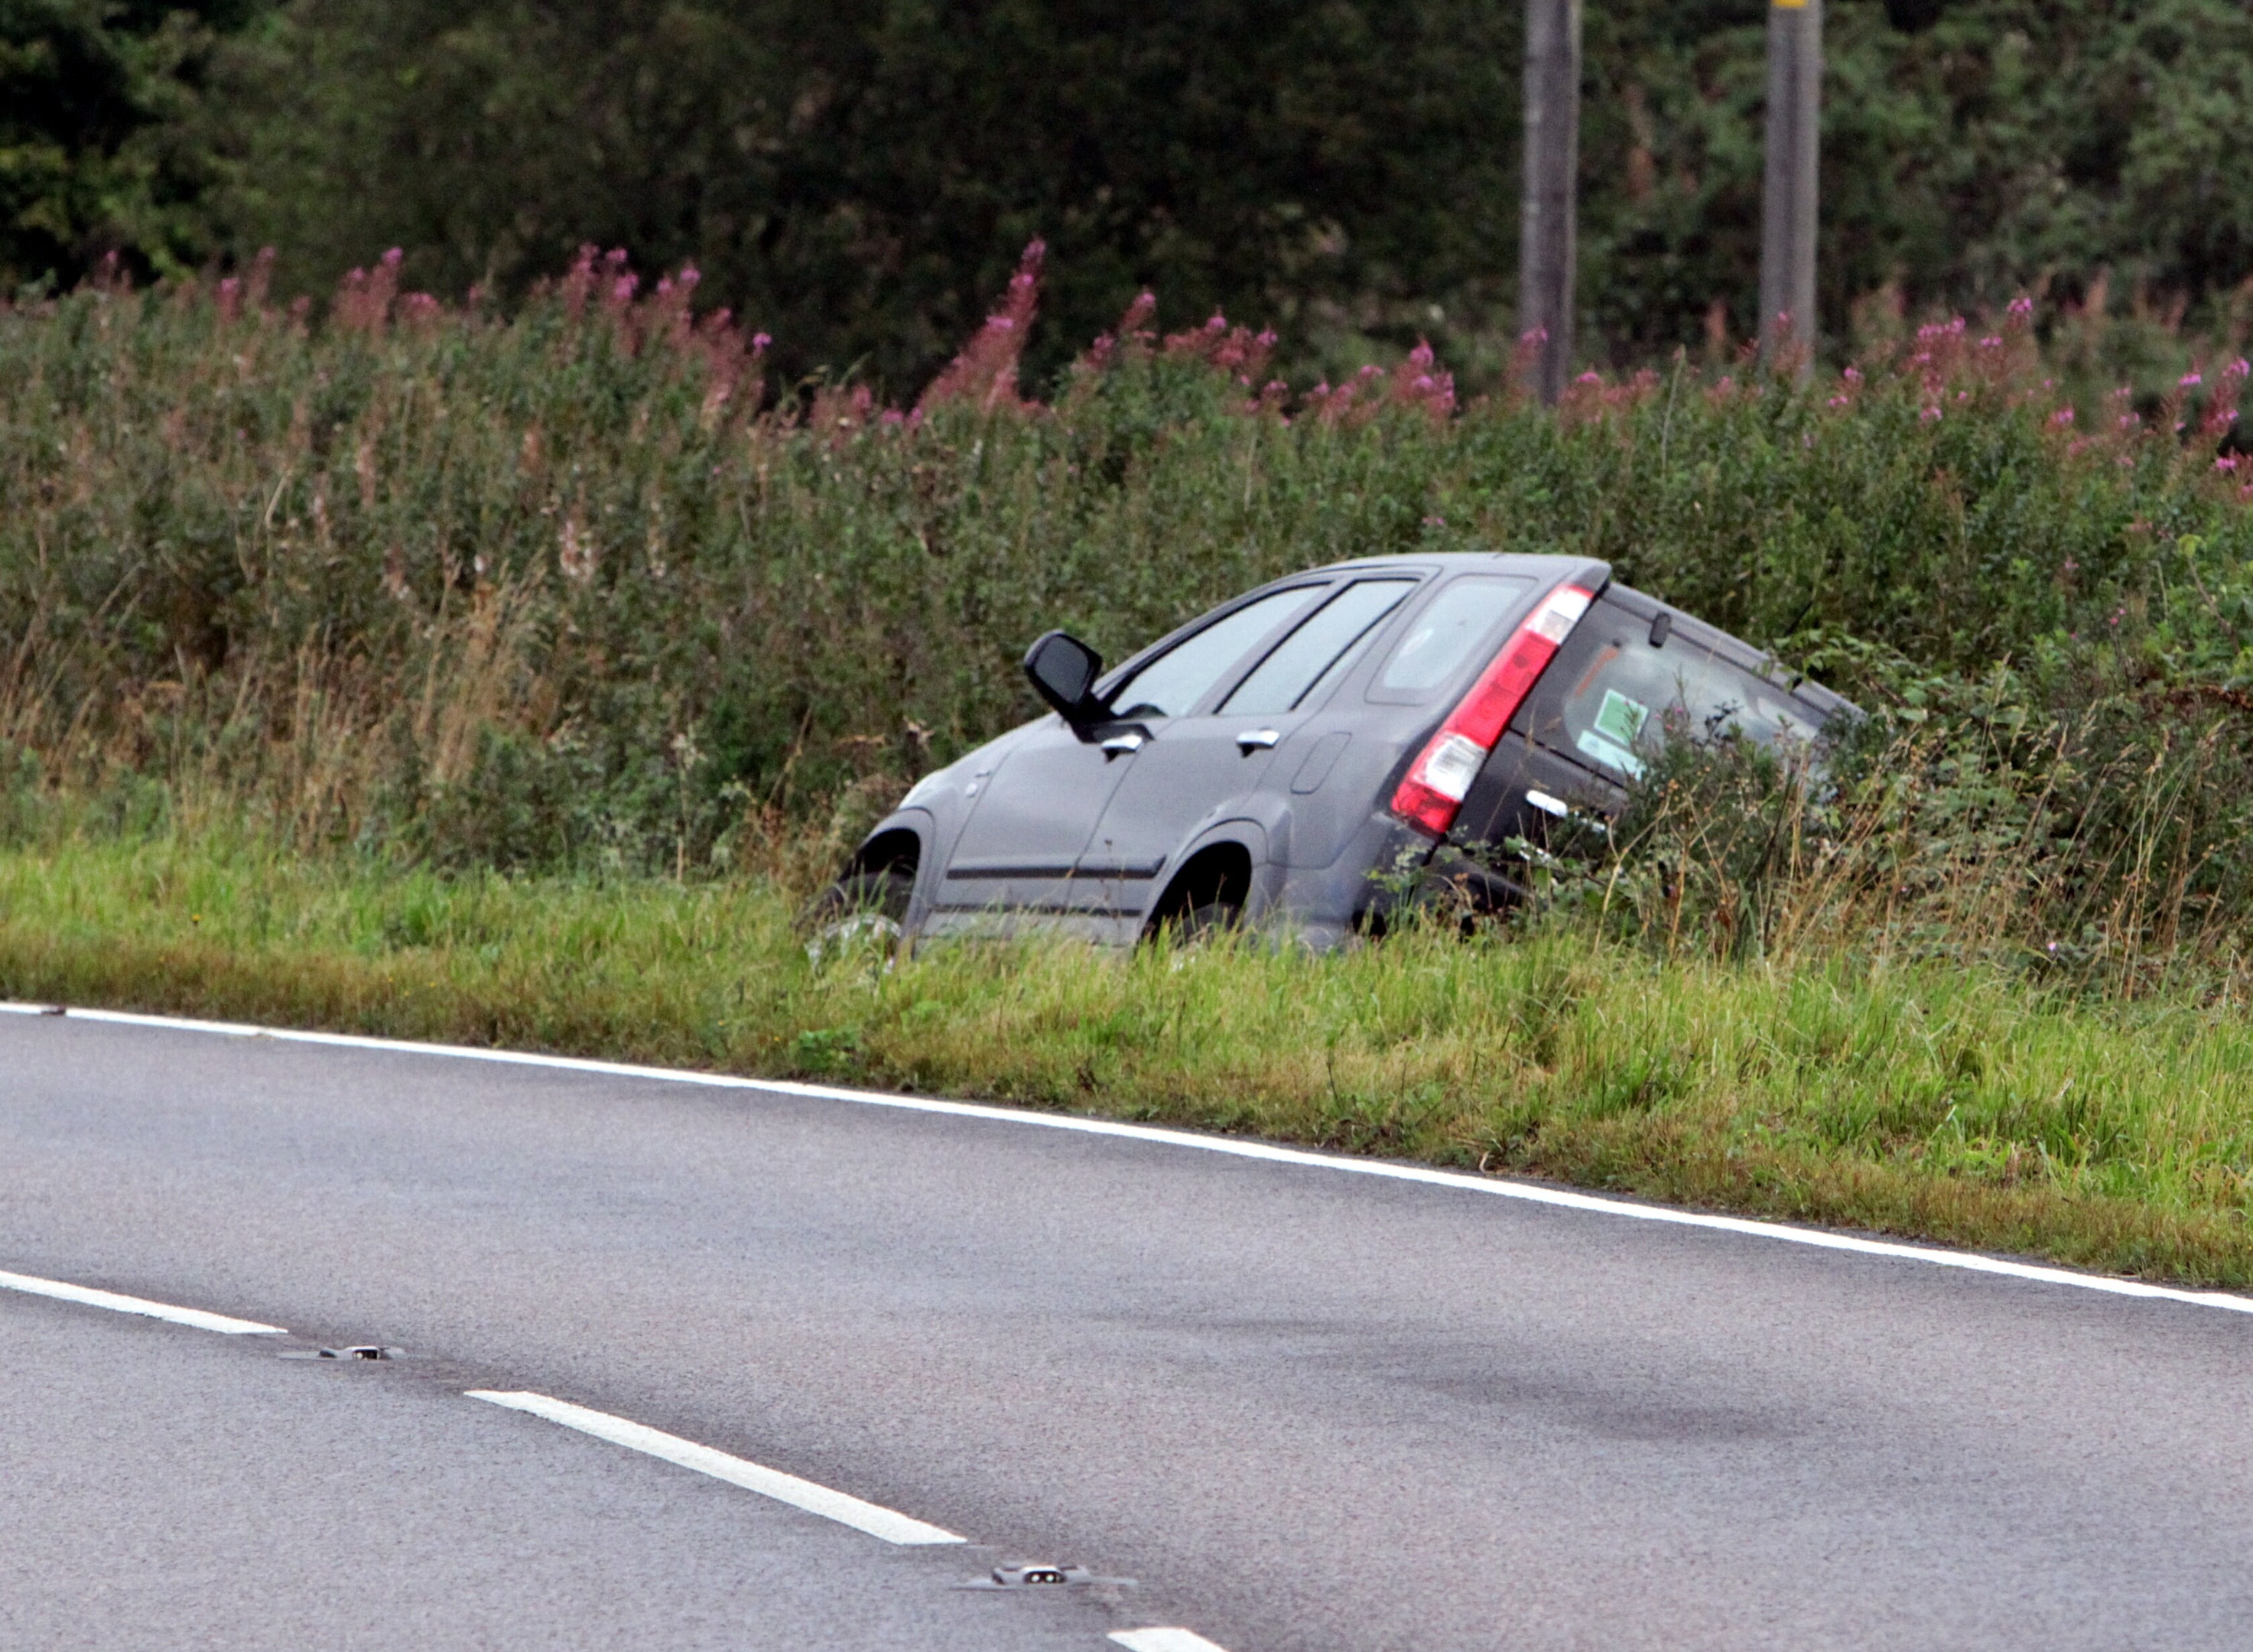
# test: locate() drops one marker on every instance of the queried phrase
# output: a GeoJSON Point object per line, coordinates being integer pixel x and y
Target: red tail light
{"type": "Point", "coordinates": [1441, 775]}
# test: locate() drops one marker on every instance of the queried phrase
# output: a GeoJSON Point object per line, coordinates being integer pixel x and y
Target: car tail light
{"type": "Point", "coordinates": [1441, 777]}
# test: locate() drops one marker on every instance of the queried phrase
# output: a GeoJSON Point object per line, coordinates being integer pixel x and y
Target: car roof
{"type": "Point", "coordinates": [1753, 658]}
{"type": "Point", "coordinates": [1456, 561]}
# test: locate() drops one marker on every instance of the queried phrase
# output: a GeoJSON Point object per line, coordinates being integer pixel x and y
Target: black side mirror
{"type": "Point", "coordinates": [1063, 670]}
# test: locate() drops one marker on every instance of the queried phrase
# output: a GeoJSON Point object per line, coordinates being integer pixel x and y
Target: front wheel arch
{"type": "Point", "coordinates": [895, 849]}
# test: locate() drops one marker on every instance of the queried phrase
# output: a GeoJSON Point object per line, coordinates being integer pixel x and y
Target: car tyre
{"type": "Point", "coordinates": [861, 911]}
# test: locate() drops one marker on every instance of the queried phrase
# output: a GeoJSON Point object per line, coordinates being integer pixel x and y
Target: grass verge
{"type": "Point", "coordinates": [1949, 1103]}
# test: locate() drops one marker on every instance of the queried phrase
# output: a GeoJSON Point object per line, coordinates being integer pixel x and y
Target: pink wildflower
{"type": "Point", "coordinates": [985, 371]}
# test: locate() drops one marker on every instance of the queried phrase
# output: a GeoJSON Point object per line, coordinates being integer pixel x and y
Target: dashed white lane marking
{"type": "Point", "coordinates": [1528, 1193]}
{"type": "Point", "coordinates": [1163, 1641]}
{"type": "Point", "coordinates": [873, 1518]}
{"type": "Point", "coordinates": [91, 1297]}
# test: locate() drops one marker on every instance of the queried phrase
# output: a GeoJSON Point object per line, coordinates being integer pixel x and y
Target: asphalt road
{"type": "Point", "coordinates": [1302, 1408]}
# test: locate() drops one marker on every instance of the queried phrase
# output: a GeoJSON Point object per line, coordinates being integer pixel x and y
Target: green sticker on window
{"type": "Point", "coordinates": [1622, 719]}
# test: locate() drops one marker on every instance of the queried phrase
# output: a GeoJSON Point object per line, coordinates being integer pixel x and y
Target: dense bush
{"type": "Point", "coordinates": [569, 588]}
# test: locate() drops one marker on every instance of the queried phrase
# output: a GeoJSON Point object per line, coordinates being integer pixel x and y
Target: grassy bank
{"type": "Point", "coordinates": [1947, 1103]}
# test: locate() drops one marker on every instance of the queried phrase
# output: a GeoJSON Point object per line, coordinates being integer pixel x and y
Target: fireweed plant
{"type": "Point", "coordinates": [577, 589]}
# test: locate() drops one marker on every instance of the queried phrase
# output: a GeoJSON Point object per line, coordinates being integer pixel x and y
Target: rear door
{"type": "Point", "coordinates": [1202, 765]}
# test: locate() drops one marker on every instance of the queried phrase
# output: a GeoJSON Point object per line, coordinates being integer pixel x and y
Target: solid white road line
{"type": "Point", "coordinates": [117, 1304]}
{"type": "Point", "coordinates": [873, 1518]}
{"type": "Point", "coordinates": [1163, 1641]}
{"type": "Point", "coordinates": [1528, 1193]}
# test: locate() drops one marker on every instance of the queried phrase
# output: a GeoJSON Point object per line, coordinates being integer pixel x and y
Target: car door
{"type": "Point", "coordinates": [1202, 765]}
{"type": "Point", "coordinates": [1019, 852]}
{"type": "Point", "coordinates": [1033, 814]}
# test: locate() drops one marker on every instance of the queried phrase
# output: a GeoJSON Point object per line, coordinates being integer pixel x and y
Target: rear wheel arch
{"type": "Point", "coordinates": [1217, 875]}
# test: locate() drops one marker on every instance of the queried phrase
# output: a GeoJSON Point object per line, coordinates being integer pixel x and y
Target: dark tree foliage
{"type": "Point", "coordinates": [858, 177]}
{"type": "Point", "coordinates": [96, 147]}
{"type": "Point", "coordinates": [1970, 150]}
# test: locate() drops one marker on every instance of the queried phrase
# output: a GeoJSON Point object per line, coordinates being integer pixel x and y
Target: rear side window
{"type": "Point", "coordinates": [1323, 640]}
{"type": "Point", "coordinates": [1177, 680]}
{"type": "Point", "coordinates": [1442, 639]}
{"type": "Point", "coordinates": [1618, 694]}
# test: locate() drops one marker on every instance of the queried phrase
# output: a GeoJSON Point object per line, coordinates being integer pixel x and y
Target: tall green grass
{"type": "Point", "coordinates": [1914, 1098]}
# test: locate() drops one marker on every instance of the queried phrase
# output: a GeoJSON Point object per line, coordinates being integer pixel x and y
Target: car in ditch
{"type": "Point", "coordinates": [1302, 757]}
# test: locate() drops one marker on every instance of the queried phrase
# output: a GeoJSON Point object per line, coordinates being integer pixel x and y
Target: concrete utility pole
{"type": "Point", "coordinates": [1787, 215]}
{"type": "Point", "coordinates": [1546, 250]}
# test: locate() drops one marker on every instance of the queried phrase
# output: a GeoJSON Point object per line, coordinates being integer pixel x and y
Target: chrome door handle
{"type": "Point", "coordinates": [1253, 740]}
{"type": "Point", "coordinates": [1124, 745]}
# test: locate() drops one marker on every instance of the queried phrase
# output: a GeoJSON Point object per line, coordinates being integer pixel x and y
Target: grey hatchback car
{"type": "Point", "coordinates": [1269, 763]}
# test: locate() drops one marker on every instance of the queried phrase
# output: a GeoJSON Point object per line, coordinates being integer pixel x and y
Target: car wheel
{"type": "Point", "coordinates": [862, 911]}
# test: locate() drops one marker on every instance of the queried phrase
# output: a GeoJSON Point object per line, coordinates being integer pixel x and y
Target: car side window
{"type": "Point", "coordinates": [1440, 640]}
{"type": "Point", "coordinates": [1279, 682]}
{"type": "Point", "coordinates": [1177, 680]}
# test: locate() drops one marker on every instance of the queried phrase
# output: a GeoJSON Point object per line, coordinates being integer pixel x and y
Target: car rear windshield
{"type": "Point", "coordinates": [1442, 639]}
{"type": "Point", "coordinates": [1616, 695]}
{"type": "Point", "coordinates": [1321, 648]}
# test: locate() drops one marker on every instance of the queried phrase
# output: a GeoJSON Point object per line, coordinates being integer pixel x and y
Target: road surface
{"type": "Point", "coordinates": [1299, 1407]}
